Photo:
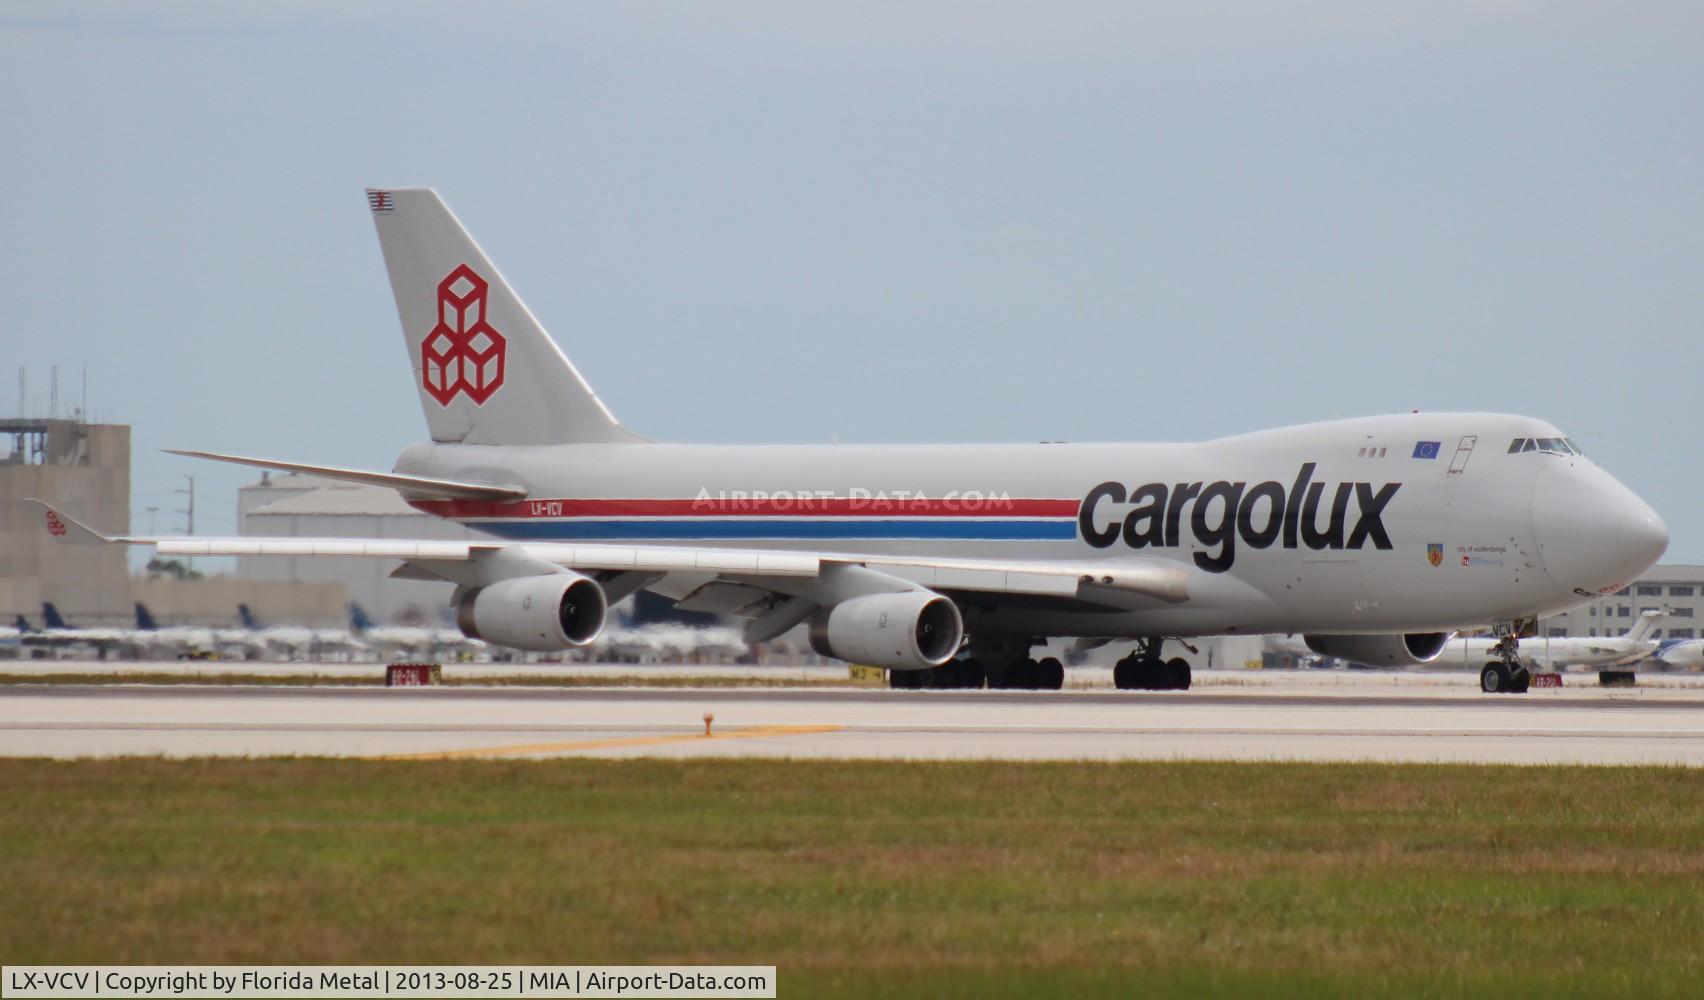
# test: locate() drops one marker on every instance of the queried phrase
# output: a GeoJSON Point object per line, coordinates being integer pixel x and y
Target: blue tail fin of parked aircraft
{"type": "Point", "coordinates": [23, 624]}
{"type": "Point", "coordinates": [51, 617]}
{"type": "Point", "coordinates": [144, 620]}
{"type": "Point", "coordinates": [246, 616]}
{"type": "Point", "coordinates": [358, 619]}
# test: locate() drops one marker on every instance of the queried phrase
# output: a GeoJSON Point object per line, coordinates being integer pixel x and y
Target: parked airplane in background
{"type": "Point", "coordinates": [414, 640]}
{"type": "Point", "coordinates": [177, 641]}
{"type": "Point", "coordinates": [1378, 536]}
{"type": "Point", "coordinates": [662, 642]}
{"type": "Point", "coordinates": [1566, 651]}
{"type": "Point", "coordinates": [1682, 654]}
{"type": "Point", "coordinates": [298, 641]}
{"type": "Point", "coordinates": [60, 634]}
{"type": "Point", "coordinates": [1472, 651]}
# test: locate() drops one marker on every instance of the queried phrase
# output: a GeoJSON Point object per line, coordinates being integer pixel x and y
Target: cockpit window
{"type": "Point", "coordinates": [1577, 449]}
{"type": "Point", "coordinates": [1554, 446]}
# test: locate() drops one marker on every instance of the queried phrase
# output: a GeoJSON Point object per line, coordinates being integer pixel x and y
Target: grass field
{"type": "Point", "coordinates": [860, 879]}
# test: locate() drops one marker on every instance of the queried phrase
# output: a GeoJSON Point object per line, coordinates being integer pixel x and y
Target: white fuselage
{"type": "Point", "coordinates": [1685, 655]}
{"type": "Point", "coordinates": [1402, 523]}
{"type": "Point", "coordinates": [1473, 652]}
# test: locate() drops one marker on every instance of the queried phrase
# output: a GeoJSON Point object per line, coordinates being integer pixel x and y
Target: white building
{"type": "Point", "coordinates": [300, 506]}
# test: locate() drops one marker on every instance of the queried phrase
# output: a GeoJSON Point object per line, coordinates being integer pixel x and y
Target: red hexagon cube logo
{"type": "Point", "coordinates": [464, 353]}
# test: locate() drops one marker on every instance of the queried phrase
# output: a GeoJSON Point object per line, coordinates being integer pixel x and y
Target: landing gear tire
{"type": "Point", "coordinates": [1142, 673]}
{"type": "Point", "coordinates": [1500, 678]}
{"type": "Point", "coordinates": [1137, 673]}
{"type": "Point", "coordinates": [905, 680]}
{"type": "Point", "coordinates": [1049, 674]}
{"type": "Point", "coordinates": [954, 675]}
{"type": "Point", "coordinates": [1177, 674]}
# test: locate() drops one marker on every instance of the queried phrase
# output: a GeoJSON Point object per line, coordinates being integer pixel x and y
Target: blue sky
{"type": "Point", "coordinates": [873, 222]}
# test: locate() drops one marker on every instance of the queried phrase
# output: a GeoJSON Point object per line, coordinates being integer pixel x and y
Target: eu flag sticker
{"type": "Point", "coordinates": [1426, 449]}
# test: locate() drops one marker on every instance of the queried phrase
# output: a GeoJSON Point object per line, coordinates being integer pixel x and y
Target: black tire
{"type": "Point", "coordinates": [970, 674]}
{"type": "Point", "coordinates": [944, 677]}
{"type": "Point", "coordinates": [1124, 674]}
{"type": "Point", "coordinates": [1023, 675]}
{"type": "Point", "coordinates": [1050, 674]}
{"type": "Point", "coordinates": [1151, 675]}
{"type": "Point", "coordinates": [1495, 679]}
{"type": "Point", "coordinates": [1177, 674]}
{"type": "Point", "coordinates": [905, 680]}
{"type": "Point", "coordinates": [1521, 680]}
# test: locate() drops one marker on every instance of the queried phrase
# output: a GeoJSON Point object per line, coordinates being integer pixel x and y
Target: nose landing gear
{"type": "Point", "coordinates": [1506, 674]}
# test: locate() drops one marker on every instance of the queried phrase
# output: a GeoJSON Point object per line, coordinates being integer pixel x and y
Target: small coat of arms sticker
{"type": "Point", "coordinates": [1435, 553]}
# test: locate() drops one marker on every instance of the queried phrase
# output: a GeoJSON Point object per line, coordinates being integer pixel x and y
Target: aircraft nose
{"type": "Point", "coordinates": [1594, 534]}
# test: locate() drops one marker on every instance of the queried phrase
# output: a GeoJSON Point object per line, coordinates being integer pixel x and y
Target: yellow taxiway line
{"type": "Point", "coordinates": [754, 732]}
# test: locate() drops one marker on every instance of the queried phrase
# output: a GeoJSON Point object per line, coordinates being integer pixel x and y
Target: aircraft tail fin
{"type": "Point", "coordinates": [50, 616]}
{"type": "Point", "coordinates": [1648, 620]}
{"type": "Point", "coordinates": [358, 620]}
{"type": "Point", "coordinates": [246, 616]}
{"type": "Point", "coordinates": [23, 624]}
{"type": "Point", "coordinates": [486, 371]}
{"type": "Point", "coordinates": [144, 620]}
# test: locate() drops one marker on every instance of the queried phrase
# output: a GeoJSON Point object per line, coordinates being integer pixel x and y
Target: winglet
{"type": "Point", "coordinates": [67, 528]}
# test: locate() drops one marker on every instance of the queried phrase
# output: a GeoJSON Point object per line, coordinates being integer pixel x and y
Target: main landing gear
{"type": "Point", "coordinates": [1144, 670]}
{"type": "Point", "coordinates": [1506, 674]}
{"type": "Point", "coordinates": [995, 663]}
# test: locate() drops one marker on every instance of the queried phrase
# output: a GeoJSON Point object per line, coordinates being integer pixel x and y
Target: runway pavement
{"type": "Point", "coordinates": [1354, 721]}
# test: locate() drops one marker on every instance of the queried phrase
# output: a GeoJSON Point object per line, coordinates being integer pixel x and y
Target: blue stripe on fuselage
{"type": "Point", "coordinates": [751, 528]}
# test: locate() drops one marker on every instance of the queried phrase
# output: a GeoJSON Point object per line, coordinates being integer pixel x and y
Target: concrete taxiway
{"type": "Point", "coordinates": [1383, 721]}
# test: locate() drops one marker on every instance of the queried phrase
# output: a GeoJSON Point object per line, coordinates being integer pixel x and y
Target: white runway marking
{"type": "Point", "coordinates": [1391, 723]}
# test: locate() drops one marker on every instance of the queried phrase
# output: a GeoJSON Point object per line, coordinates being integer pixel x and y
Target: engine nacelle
{"type": "Point", "coordinates": [1381, 650]}
{"type": "Point", "coordinates": [546, 613]}
{"type": "Point", "coordinates": [914, 630]}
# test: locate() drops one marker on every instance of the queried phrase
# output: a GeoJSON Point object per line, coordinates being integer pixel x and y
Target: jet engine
{"type": "Point", "coordinates": [546, 613]}
{"type": "Point", "coordinates": [913, 630]}
{"type": "Point", "coordinates": [1382, 650]}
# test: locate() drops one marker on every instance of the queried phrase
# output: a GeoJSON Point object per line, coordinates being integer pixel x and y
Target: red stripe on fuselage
{"type": "Point", "coordinates": [797, 506]}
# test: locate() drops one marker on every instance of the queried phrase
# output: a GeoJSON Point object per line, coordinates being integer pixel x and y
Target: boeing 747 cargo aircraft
{"type": "Point", "coordinates": [1378, 536]}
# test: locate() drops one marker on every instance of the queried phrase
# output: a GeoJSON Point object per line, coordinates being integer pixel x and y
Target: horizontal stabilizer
{"type": "Point", "coordinates": [447, 489]}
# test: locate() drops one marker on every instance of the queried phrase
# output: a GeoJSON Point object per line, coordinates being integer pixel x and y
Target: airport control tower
{"type": "Point", "coordinates": [86, 468]}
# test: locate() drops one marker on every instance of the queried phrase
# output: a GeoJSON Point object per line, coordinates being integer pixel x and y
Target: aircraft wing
{"type": "Point", "coordinates": [729, 580]}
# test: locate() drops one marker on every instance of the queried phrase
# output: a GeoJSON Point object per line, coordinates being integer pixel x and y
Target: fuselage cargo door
{"type": "Point", "coordinates": [1463, 452]}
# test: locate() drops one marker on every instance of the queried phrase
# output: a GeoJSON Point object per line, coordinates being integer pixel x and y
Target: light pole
{"type": "Point", "coordinates": [189, 513]}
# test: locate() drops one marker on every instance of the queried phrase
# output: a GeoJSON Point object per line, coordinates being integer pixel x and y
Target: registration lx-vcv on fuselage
{"type": "Point", "coordinates": [1379, 528]}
